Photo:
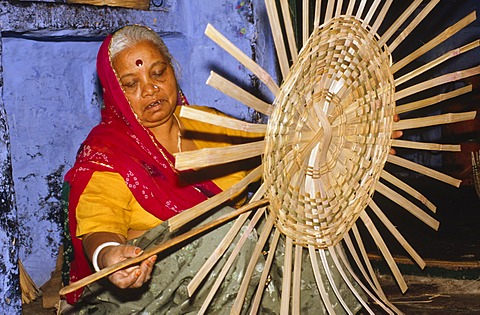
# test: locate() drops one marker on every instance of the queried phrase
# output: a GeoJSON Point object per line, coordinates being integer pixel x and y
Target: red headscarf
{"type": "Point", "coordinates": [121, 144]}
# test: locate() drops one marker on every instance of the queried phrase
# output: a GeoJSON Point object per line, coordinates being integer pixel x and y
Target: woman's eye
{"type": "Point", "coordinates": [130, 84]}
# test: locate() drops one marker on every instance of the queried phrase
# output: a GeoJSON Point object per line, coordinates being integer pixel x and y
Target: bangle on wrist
{"type": "Point", "coordinates": [97, 251]}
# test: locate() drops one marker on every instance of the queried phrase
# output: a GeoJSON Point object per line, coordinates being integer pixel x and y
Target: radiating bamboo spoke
{"type": "Point", "coordinates": [432, 100]}
{"type": "Point", "coordinates": [265, 273]}
{"type": "Point", "coordinates": [230, 89]}
{"type": "Point", "coordinates": [423, 170]}
{"type": "Point", "coordinates": [215, 156]}
{"type": "Point", "coordinates": [379, 213]}
{"type": "Point", "coordinates": [242, 292]}
{"type": "Point", "coordinates": [446, 78]}
{"type": "Point", "coordinates": [445, 57]}
{"type": "Point", "coordinates": [328, 272]}
{"type": "Point", "coordinates": [433, 120]}
{"type": "Point", "coordinates": [320, 281]}
{"type": "Point", "coordinates": [296, 287]}
{"type": "Point", "coordinates": [277, 36]}
{"type": "Point", "coordinates": [231, 259]}
{"type": "Point", "coordinates": [409, 190]}
{"type": "Point", "coordinates": [227, 122]}
{"type": "Point", "coordinates": [287, 21]}
{"type": "Point", "coordinates": [425, 146]}
{"type": "Point", "coordinates": [251, 65]}
{"type": "Point", "coordinates": [337, 263]}
{"type": "Point", "coordinates": [381, 16]}
{"type": "Point", "coordinates": [400, 20]}
{"type": "Point", "coordinates": [452, 30]}
{"type": "Point", "coordinates": [413, 24]}
{"type": "Point", "coordinates": [407, 205]}
{"type": "Point", "coordinates": [216, 254]}
{"type": "Point", "coordinates": [287, 277]}
{"type": "Point", "coordinates": [205, 206]}
{"type": "Point", "coordinates": [384, 250]}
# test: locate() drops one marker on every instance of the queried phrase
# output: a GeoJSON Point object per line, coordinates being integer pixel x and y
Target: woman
{"type": "Point", "coordinates": [123, 186]}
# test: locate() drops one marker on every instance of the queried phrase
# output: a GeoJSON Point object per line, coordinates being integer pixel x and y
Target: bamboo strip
{"type": "Point", "coordinates": [407, 205]}
{"type": "Point", "coordinates": [384, 250]}
{"type": "Point", "coordinates": [447, 56]}
{"type": "Point", "coordinates": [381, 17]}
{"type": "Point", "coordinates": [328, 272]}
{"type": "Point", "coordinates": [446, 34]}
{"type": "Point", "coordinates": [329, 12]}
{"type": "Point", "coordinates": [408, 189]}
{"type": "Point", "coordinates": [423, 170]}
{"type": "Point", "coordinates": [287, 277]}
{"type": "Point", "coordinates": [160, 248]}
{"type": "Point", "coordinates": [432, 100]}
{"type": "Point", "coordinates": [370, 13]}
{"type": "Point", "coordinates": [365, 289]}
{"type": "Point", "coordinates": [413, 24]}
{"type": "Point", "coordinates": [29, 289]}
{"type": "Point", "coordinates": [217, 254]}
{"type": "Point", "coordinates": [265, 273]}
{"type": "Point", "coordinates": [337, 263]}
{"type": "Point", "coordinates": [228, 264]}
{"type": "Point", "coordinates": [234, 91]}
{"type": "Point", "coordinates": [188, 215]}
{"type": "Point", "coordinates": [287, 21]}
{"type": "Point", "coordinates": [448, 118]}
{"type": "Point", "coordinates": [351, 5]}
{"type": "Point", "coordinates": [370, 277]}
{"type": "Point", "coordinates": [400, 20]}
{"type": "Point", "coordinates": [446, 78]}
{"type": "Point", "coordinates": [223, 121]}
{"type": "Point", "coordinates": [297, 278]}
{"type": "Point", "coordinates": [229, 47]}
{"type": "Point", "coordinates": [338, 10]}
{"type": "Point", "coordinates": [388, 224]}
{"type": "Point", "coordinates": [220, 155]}
{"type": "Point", "coordinates": [319, 280]}
{"type": "Point", "coordinates": [360, 10]}
{"type": "Point", "coordinates": [277, 35]}
{"type": "Point", "coordinates": [425, 146]}
{"type": "Point", "coordinates": [242, 292]}
{"type": "Point", "coordinates": [318, 13]}
{"type": "Point", "coordinates": [305, 20]}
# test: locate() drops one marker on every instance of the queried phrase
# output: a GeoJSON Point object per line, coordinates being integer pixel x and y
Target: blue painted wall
{"type": "Point", "coordinates": [51, 100]}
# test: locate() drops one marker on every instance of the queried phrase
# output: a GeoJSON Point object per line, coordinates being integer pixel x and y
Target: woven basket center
{"type": "Point", "coordinates": [329, 136]}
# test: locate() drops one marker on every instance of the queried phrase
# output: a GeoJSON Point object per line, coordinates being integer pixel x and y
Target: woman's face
{"type": "Point", "coordinates": [148, 81]}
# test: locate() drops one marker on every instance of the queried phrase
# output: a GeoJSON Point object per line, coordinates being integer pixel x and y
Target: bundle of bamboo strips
{"type": "Point", "coordinates": [30, 291]}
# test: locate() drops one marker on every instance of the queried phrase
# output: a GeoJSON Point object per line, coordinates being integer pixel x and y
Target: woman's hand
{"type": "Point", "coordinates": [131, 277]}
{"type": "Point", "coordinates": [396, 133]}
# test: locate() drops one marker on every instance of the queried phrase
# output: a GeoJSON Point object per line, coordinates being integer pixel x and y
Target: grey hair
{"type": "Point", "coordinates": [130, 35]}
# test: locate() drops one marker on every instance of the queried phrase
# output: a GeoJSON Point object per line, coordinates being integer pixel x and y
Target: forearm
{"type": "Point", "coordinates": [91, 242]}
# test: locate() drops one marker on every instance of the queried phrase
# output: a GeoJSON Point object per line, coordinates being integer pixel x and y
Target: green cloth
{"type": "Point", "coordinates": [166, 293]}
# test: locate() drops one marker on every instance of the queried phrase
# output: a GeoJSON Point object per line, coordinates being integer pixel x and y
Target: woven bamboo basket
{"type": "Point", "coordinates": [132, 4]}
{"type": "Point", "coordinates": [329, 136]}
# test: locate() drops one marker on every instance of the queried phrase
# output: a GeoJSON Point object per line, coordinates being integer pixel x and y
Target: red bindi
{"type": "Point", "coordinates": [139, 62]}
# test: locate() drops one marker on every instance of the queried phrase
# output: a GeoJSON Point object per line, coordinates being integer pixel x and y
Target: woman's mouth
{"type": "Point", "coordinates": [154, 104]}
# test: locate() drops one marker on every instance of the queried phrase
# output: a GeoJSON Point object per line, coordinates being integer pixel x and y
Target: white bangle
{"type": "Point", "coordinates": [97, 251]}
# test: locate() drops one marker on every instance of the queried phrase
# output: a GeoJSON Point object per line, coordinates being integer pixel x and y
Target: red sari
{"type": "Point", "coordinates": [121, 144]}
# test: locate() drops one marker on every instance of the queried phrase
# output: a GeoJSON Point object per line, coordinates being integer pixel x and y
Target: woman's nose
{"type": "Point", "coordinates": [150, 88]}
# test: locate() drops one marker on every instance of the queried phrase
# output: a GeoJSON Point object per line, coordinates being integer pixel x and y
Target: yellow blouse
{"type": "Point", "coordinates": [107, 204]}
